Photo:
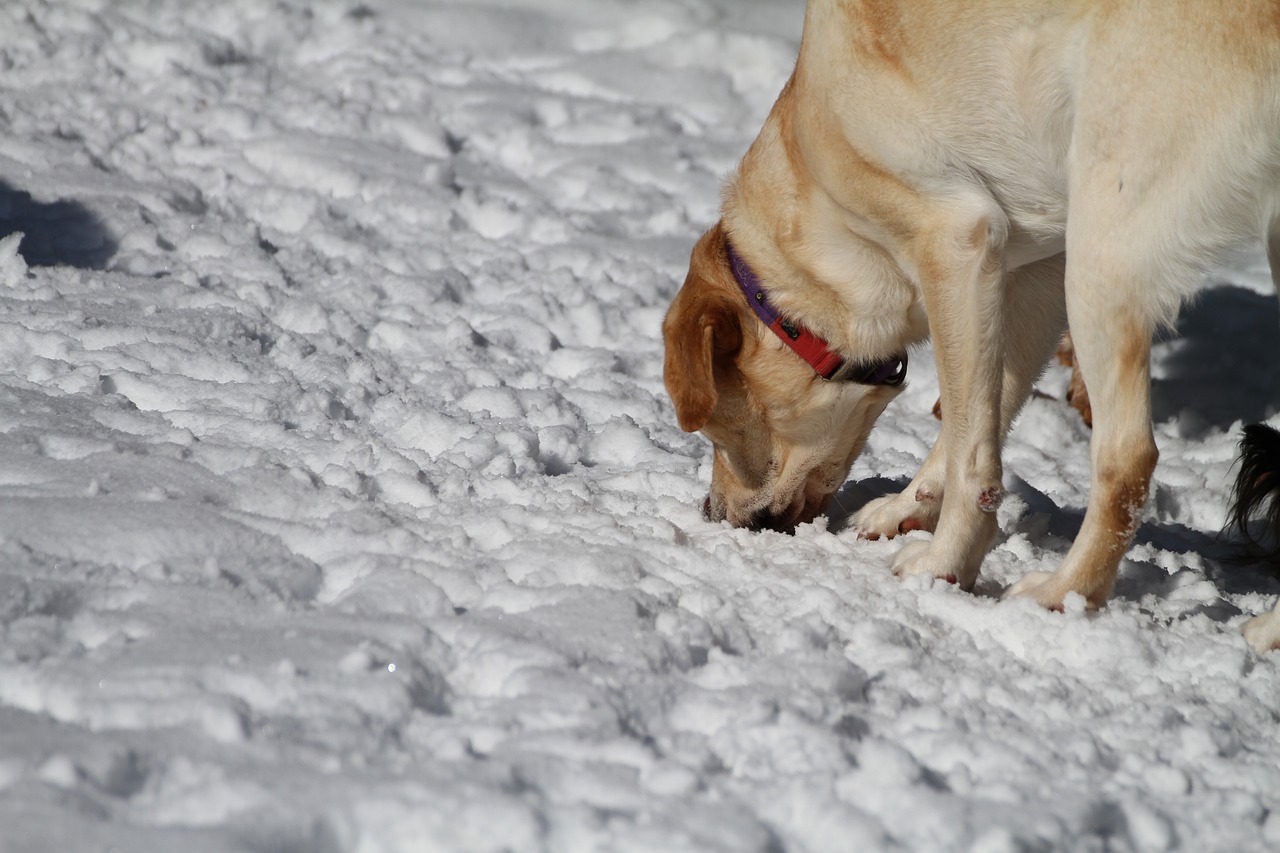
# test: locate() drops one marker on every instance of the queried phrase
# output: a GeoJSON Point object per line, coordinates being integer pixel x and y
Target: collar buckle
{"type": "Point", "coordinates": [891, 372]}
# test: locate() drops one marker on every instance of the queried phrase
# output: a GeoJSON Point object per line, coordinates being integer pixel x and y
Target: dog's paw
{"type": "Point", "coordinates": [1058, 591]}
{"type": "Point", "coordinates": [900, 513]}
{"type": "Point", "coordinates": [1039, 587]}
{"type": "Point", "coordinates": [1050, 591]}
{"type": "Point", "coordinates": [1263, 632]}
{"type": "Point", "coordinates": [916, 558]}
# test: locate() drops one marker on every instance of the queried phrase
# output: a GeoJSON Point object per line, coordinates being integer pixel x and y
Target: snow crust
{"type": "Point", "coordinates": [342, 507]}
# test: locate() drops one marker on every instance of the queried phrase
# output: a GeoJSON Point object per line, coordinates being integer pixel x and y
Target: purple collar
{"type": "Point", "coordinates": [813, 349]}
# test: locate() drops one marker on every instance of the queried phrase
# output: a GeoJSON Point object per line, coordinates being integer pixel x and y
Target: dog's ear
{"type": "Point", "coordinates": [703, 327]}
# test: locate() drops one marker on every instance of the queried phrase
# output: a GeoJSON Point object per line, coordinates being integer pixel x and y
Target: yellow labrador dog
{"type": "Point", "coordinates": [928, 171]}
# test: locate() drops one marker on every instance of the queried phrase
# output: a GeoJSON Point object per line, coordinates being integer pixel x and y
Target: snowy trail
{"type": "Point", "coordinates": [342, 508]}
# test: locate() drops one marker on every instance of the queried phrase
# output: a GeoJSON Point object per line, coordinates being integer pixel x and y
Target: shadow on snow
{"type": "Point", "coordinates": [58, 233]}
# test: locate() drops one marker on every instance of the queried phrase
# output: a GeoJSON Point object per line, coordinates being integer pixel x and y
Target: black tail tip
{"type": "Point", "coordinates": [1257, 490]}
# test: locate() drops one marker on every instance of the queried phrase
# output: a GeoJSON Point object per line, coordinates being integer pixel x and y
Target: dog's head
{"type": "Point", "coordinates": [784, 437]}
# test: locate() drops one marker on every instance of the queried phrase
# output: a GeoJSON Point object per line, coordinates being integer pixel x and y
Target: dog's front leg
{"type": "Point", "coordinates": [1123, 451]}
{"type": "Point", "coordinates": [1111, 304]}
{"type": "Point", "coordinates": [960, 270]}
{"type": "Point", "coordinates": [1034, 317]}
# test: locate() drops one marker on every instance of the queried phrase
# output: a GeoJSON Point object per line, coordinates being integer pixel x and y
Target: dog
{"type": "Point", "coordinates": [927, 171]}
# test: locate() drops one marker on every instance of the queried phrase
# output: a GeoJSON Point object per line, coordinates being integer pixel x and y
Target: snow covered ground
{"type": "Point", "coordinates": [342, 507]}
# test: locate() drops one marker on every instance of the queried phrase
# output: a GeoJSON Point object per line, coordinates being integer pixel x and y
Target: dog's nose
{"type": "Point", "coordinates": [766, 520]}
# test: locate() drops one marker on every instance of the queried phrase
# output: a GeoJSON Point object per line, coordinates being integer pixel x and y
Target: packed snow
{"type": "Point", "coordinates": [342, 507]}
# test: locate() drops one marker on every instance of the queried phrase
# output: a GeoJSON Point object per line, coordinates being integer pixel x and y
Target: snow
{"type": "Point", "coordinates": [342, 507]}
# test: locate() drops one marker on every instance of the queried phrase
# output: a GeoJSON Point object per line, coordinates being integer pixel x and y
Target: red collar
{"type": "Point", "coordinates": [818, 353]}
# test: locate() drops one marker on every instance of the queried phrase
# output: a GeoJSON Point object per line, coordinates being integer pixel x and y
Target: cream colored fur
{"type": "Point", "coordinates": [978, 172]}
